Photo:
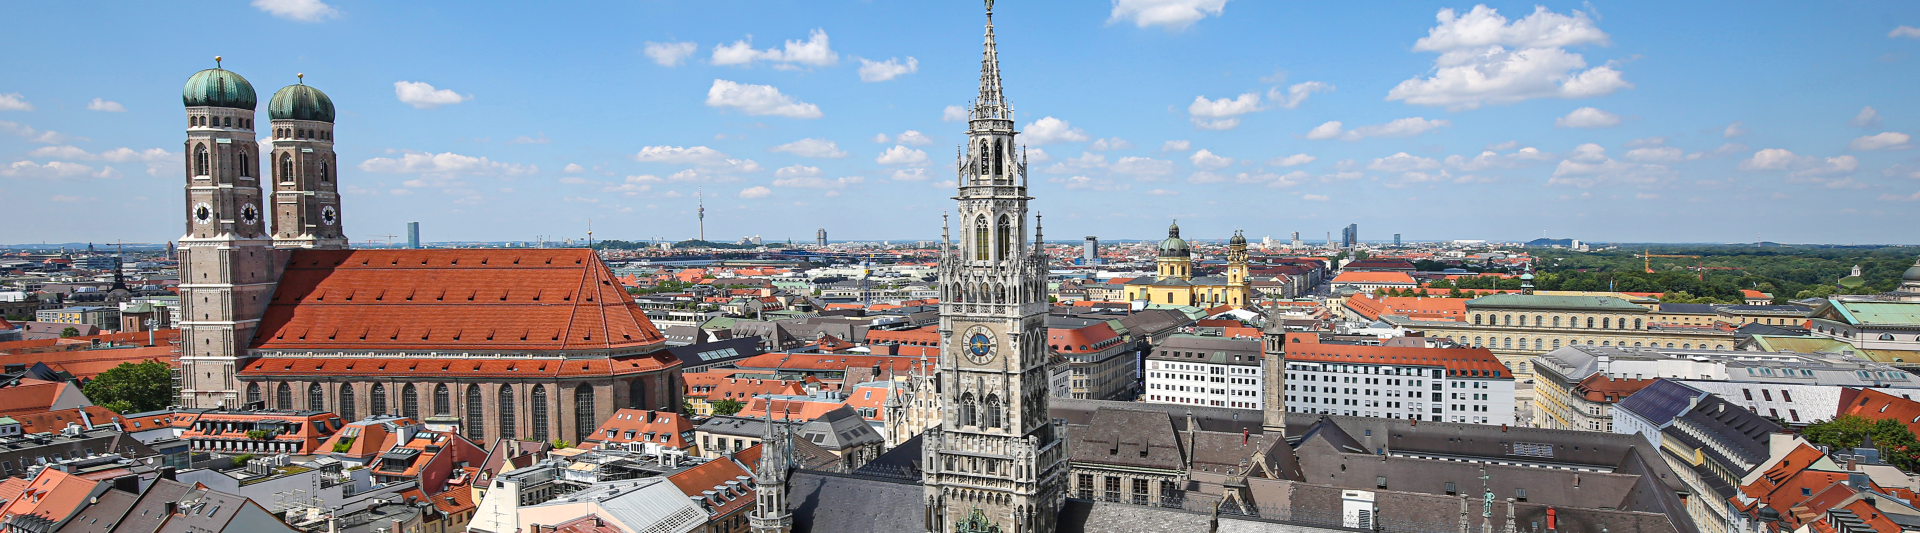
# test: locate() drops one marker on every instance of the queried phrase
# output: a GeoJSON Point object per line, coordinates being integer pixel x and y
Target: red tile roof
{"type": "Point", "coordinates": [803, 410]}
{"type": "Point", "coordinates": [813, 361]}
{"type": "Point", "coordinates": [478, 299]}
{"type": "Point", "coordinates": [50, 421]}
{"type": "Point", "coordinates": [31, 396]}
{"type": "Point", "coordinates": [471, 367]}
{"type": "Point", "coordinates": [1090, 338]}
{"type": "Point", "coordinates": [51, 495]}
{"type": "Point", "coordinates": [1374, 277]}
{"type": "Point", "coordinates": [713, 476]}
{"type": "Point", "coordinates": [1602, 388]}
{"type": "Point", "coordinates": [1875, 405]}
{"type": "Point", "coordinates": [927, 336]}
{"type": "Point", "coordinates": [1307, 347]}
{"type": "Point", "coordinates": [667, 429]}
{"type": "Point", "coordinates": [1372, 307]}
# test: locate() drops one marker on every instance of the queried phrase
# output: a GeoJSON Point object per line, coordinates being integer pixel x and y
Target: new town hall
{"type": "Point", "coordinates": [520, 343]}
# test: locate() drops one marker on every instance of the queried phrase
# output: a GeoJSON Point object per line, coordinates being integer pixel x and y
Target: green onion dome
{"type": "Point", "coordinates": [218, 87]}
{"type": "Point", "coordinates": [300, 102]}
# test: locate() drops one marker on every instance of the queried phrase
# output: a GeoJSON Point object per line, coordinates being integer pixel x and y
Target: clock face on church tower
{"type": "Point", "coordinates": [979, 344]}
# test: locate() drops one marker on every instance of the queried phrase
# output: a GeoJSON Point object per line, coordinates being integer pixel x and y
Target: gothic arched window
{"type": "Point", "coordinates": [245, 169]}
{"type": "Point", "coordinates": [585, 420]}
{"type": "Point", "coordinates": [538, 412]}
{"type": "Point", "coordinates": [286, 167]}
{"type": "Point", "coordinates": [1005, 231]}
{"type": "Point", "coordinates": [986, 154]}
{"type": "Point", "coordinates": [283, 398]}
{"type": "Point", "coordinates": [637, 394]}
{"type": "Point", "coordinates": [253, 393]}
{"type": "Point", "coordinates": [476, 415]}
{"type": "Point", "coordinates": [442, 400]}
{"type": "Point", "coordinates": [966, 409]}
{"type": "Point", "coordinates": [506, 411]}
{"type": "Point", "coordinates": [410, 402]}
{"type": "Point", "coordinates": [316, 398]}
{"type": "Point", "coordinates": [377, 402]}
{"type": "Point", "coordinates": [323, 171]}
{"type": "Point", "coordinates": [981, 240]}
{"type": "Point", "coordinates": [999, 165]}
{"type": "Point", "coordinates": [993, 411]}
{"type": "Point", "coordinates": [346, 403]}
{"type": "Point", "coordinates": [200, 160]}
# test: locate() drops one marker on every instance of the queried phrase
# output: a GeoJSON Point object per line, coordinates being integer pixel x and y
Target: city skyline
{"type": "Point", "coordinates": [1599, 112]}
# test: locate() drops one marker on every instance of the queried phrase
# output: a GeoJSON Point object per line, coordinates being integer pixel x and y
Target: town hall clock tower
{"type": "Point", "coordinates": [996, 462]}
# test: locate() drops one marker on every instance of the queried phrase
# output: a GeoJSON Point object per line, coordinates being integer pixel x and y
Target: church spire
{"type": "Point", "coordinates": [991, 104]}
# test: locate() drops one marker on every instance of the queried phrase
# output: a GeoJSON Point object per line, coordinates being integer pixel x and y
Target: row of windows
{"type": "Point", "coordinates": [1538, 344]}
{"type": "Point", "coordinates": [302, 133]}
{"type": "Point", "coordinates": [1541, 320]}
{"type": "Point", "coordinates": [585, 417]}
{"type": "Point", "coordinates": [218, 122]}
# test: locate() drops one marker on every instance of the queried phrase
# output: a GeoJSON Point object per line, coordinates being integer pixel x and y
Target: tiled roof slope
{"type": "Point", "coordinates": [473, 299]}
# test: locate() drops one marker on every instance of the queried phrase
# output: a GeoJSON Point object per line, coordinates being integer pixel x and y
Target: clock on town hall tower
{"type": "Point", "coordinates": [997, 461]}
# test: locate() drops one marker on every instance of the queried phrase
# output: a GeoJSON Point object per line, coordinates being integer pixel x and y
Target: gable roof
{"type": "Point", "coordinates": [476, 299]}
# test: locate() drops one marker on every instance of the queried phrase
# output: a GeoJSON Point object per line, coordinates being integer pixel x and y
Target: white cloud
{"type": "Point", "coordinates": [1647, 142]}
{"type": "Point", "coordinates": [1509, 145]}
{"type": "Point", "coordinates": [814, 182]}
{"type": "Point", "coordinates": [796, 171]}
{"type": "Point", "coordinates": [1205, 159]}
{"type": "Point", "coordinates": [1734, 130]}
{"type": "Point", "coordinates": [32, 135]}
{"type": "Point", "coordinates": [814, 52]}
{"type": "Point", "coordinates": [756, 191]}
{"type": "Point", "coordinates": [421, 95]}
{"type": "Point", "coordinates": [573, 168]}
{"type": "Point", "coordinates": [1485, 59]}
{"type": "Point", "coordinates": [953, 113]}
{"type": "Point", "coordinates": [704, 157]}
{"type": "Point", "coordinates": [101, 105]}
{"type": "Point", "coordinates": [913, 138]}
{"type": "Point", "coordinates": [1831, 166]}
{"type": "Point", "coordinates": [1587, 117]}
{"type": "Point", "coordinates": [1083, 183]}
{"type": "Point", "coordinates": [669, 54]}
{"type": "Point", "coordinates": [542, 139]}
{"type": "Point", "coordinates": [1804, 168]}
{"type": "Point", "coordinates": [1723, 151]}
{"type": "Point", "coordinates": [55, 170]}
{"type": "Point", "coordinates": [300, 10]}
{"type": "Point", "coordinates": [1868, 118]}
{"type": "Point", "coordinates": [1314, 197]}
{"type": "Point", "coordinates": [1036, 155]}
{"type": "Point", "coordinates": [1144, 168]}
{"type": "Point", "coordinates": [1176, 146]}
{"type": "Point", "coordinates": [444, 163]}
{"type": "Point", "coordinates": [1891, 140]}
{"type": "Point", "coordinates": [1291, 161]}
{"type": "Point", "coordinates": [1656, 154]}
{"type": "Point", "coordinates": [811, 148]}
{"type": "Point", "coordinates": [1297, 93]}
{"type": "Point", "coordinates": [574, 180]}
{"type": "Point", "coordinates": [1588, 165]}
{"type": "Point", "coordinates": [1174, 15]}
{"type": "Point", "coordinates": [910, 174]}
{"type": "Point", "coordinates": [14, 102]}
{"type": "Point", "coordinates": [1405, 127]}
{"type": "Point", "coordinates": [1114, 143]}
{"type": "Point", "coordinates": [1491, 159]}
{"type": "Point", "coordinates": [1224, 107]}
{"type": "Point", "coordinates": [1402, 162]}
{"type": "Point", "coordinates": [1051, 130]}
{"type": "Point", "coordinates": [1772, 159]}
{"type": "Point", "coordinates": [1163, 192]}
{"type": "Point", "coordinates": [871, 71]}
{"type": "Point", "coordinates": [758, 100]}
{"type": "Point", "coordinates": [1904, 31]}
{"type": "Point", "coordinates": [1087, 160]}
{"type": "Point", "coordinates": [1216, 124]}
{"type": "Point", "coordinates": [1898, 198]}
{"type": "Point", "coordinates": [901, 155]}
{"type": "Point", "coordinates": [157, 160]}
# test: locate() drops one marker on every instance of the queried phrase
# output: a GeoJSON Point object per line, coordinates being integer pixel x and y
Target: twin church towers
{"type": "Point", "coordinates": [230, 259]}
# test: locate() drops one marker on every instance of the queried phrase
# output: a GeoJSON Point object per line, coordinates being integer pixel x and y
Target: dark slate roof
{"type": "Point", "coordinates": [103, 514]}
{"type": "Point", "coordinates": [825, 502]}
{"type": "Point", "coordinates": [1127, 438]}
{"type": "Point", "coordinates": [902, 460]}
{"type": "Point", "coordinates": [1154, 321]}
{"type": "Point", "coordinates": [1660, 401]}
{"type": "Point", "coordinates": [840, 429]}
{"type": "Point", "coordinates": [810, 456]}
{"type": "Point", "coordinates": [1731, 428]}
{"type": "Point", "coordinates": [1083, 515]}
{"type": "Point", "coordinates": [151, 510]}
{"type": "Point", "coordinates": [1691, 309]}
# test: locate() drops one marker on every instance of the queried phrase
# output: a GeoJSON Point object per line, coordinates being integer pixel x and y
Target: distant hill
{"type": "Point", "coordinates": [1550, 242]}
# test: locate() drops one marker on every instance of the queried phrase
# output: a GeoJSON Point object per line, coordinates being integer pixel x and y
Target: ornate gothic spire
{"type": "Point", "coordinates": [992, 104]}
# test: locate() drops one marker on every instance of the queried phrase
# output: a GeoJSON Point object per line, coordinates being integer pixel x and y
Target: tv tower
{"type": "Point", "coordinates": [700, 195]}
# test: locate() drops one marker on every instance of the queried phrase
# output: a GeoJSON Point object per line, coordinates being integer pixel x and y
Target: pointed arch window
{"type": "Point", "coordinates": [245, 168]}
{"type": "Point", "coordinates": [377, 403]}
{"type": "Point", "coordinates": [347, 410]}
{"type": "Point", "coordinates": [999, 167]}
{"type": "Point", "coordinates": [283, 398]}
{"type": "Point", "coordinates": [982, 243]}
{"type": "Point", "coordinates": [410, 402]}
{"type": "Point", "coordinates": [992, 419]}
{"type": "Point", "coordinates": [537, 412]}
{"type": "Point", "coordinates": [966, 409]}
{"type": "Point", "coordinates": [1005, 233]}
{"type": "Point", "coordinates": [476, 416]}
{"type": "Point", "coordinates": [986, 155]}
{"type": "Point", "coordinates": [286, 167]}
{"type": "Point", "coordinates": [253, 393]}
{"type": "Point", "coordinates": [506, 412]}
{"type": "Point", "coordinates": [200, 160]}
{"type": "Point", "coordinates": [585, 420]}
{"type": "Point", "coordinates": [637, 394]}
{"type": "Point", "coordinates": [442, 400]}
{"type": "Point", "coordinates": [316, 398]}
{"type": "Point", "coordinates": [323, 172]}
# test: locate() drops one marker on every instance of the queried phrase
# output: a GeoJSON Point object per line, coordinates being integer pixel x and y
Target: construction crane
{"type": "Point", "coordinates": [389, 238]}
{"type": "Point", "coordinates": [1646, 258]}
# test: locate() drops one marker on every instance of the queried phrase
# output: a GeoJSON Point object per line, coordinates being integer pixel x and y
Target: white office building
{"type": "Point", "coordinates": [1209, 371]}
{"type": "Point", "coordinates": [1467, 385]}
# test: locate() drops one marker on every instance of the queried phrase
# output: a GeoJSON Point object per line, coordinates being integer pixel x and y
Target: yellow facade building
{"type": "Point", "coordinates": [1174, 284]}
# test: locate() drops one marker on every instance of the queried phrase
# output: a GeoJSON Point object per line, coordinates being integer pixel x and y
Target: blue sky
{"type": "Point", "coordinates": [1604, 121]}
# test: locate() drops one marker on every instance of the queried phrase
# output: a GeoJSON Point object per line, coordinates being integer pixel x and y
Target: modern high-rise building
{"type": "Point", "coordinates": [1350, 236]}
{"type": "Point", "coordinates": [1396, 239]}
{"type": "Point", "coordinates": [413, 235]}
{"type": "Point", "coordinates": [1296, 240]}
{"type": "Point", "coordinates": [1090, 250]}
{"type": "Point", "coordinates": [820, 238]}
{"type": "Point", "coordinates": [996, 462]}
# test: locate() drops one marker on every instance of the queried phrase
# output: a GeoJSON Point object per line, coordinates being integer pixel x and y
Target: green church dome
{"type": "Point", "coordinates": [1174, 246]}
{"type": "Point", "coordinates": [218, 87]}
{"type": "Point", "coordinates": [300, 102]}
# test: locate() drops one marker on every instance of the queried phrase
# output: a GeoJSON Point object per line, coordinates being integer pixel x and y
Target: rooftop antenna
{"type": "Point", "coordinates": [589, 234]}
{"type": "Point", "coordinates": [700, 196]}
